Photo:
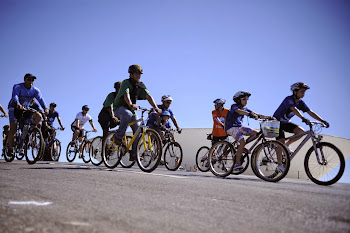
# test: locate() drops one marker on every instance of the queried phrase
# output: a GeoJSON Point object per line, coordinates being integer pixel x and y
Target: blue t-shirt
{"type": "Point", "coordinates": [152, 121]}
{"type": "Point", "coordinates": [51, 117]}
{"type": "Point", "coordinates": [24, 96]}
{"type": "Point", "coordinates": [233, 119]}
{"type": "Point", "coordinates": [160, 106]}
{"type": "Point", "coordinates": [283, 112]}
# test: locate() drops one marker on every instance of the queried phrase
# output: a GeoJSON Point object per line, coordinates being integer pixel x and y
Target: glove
{"type": "Point", "coordinates": [305, 120]}
{"type": "Point", "coordinates": [326, 123]}
{"type": "Point", "coordinates": [179, 130]}
{"type": "Point", "coordinates": [252, 115]}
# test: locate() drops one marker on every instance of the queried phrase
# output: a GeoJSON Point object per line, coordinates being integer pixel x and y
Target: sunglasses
{"type": "Point", "coordinates": [86, 109]}
{"type": "Point", "coordinates": [168, 102]}
{"type": "Point", "coordinates": [30, 79]}
{"type": "Point", "coordinates": [245, 98]}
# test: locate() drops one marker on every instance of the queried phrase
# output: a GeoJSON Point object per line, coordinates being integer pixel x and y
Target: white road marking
{"type": "Point", "coordinates": [29, 203]}
{"type": "Point", "coordinates": [77, 223]}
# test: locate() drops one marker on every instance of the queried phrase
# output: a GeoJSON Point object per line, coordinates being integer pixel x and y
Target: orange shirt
{"type": "Point", "coordinates": [218, 129]}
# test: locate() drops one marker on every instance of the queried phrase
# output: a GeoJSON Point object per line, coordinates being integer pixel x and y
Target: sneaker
{"type": "Point", "coordinates": [237, 167]}
{"type": "Point", "coordinates": [161, 162]}
{"type": "Point", "coordinates": [132, 156]}
{"type": "Point", "coordinates": [289, 150]}
{"type": "Point", "coordinates": [117, 141]}
{"type": "Point", "coordinates": [280, 168]}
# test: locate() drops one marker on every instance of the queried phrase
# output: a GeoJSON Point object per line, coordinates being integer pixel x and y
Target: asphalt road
{"type": "Point", "coordinates": [63, 197]}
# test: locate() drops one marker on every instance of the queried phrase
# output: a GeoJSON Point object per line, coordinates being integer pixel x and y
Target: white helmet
{"type": "Point", "coordinates": [239, 95]}
{"type": "Point", "coordinates": [166, 98]}
{"type": "Point", "coordinates": [298, 85]}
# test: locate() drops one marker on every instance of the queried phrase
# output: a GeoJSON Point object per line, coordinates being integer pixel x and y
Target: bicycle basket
{"type": "Point", "coordinates": [270, 129]}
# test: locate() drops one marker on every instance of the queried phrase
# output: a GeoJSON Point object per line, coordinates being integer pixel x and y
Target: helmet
{"type": "Point", "coordinates": [53, 104]}
{"type": "Point", "coordinates": [6, 126]}
{"type": "Point", "coordinates": [298, 85]}
{"type": "Point", "coordinates": [135, 68]}
{"type": "Point", "coordinates": [165, 113]}
{"type": "Point", "coordinates": [85, 107]}
{"type": "Point", "coordinates": [117, 84]}
{"type": "Point", "coordinates": [219, 101]}
{"type": "Point", "coordinates": [240, 94]}
{"type": "Point", "coordinates": [166, 98]}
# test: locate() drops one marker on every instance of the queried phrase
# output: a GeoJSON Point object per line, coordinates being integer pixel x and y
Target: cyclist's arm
{"type": "Point", "coordinates": [92, 125]}
{"type": "Point", "coordinates": [175, 122]}
{"type": "Point", "coordinates": [3, 110]}
{"type": "Point", "coordinates": [296, 112]}
{"type": "Point", "coordinates": [41, 100]}
{"type": "Point", "coordinates": [77, 122]}
{"type": "Point", "coordinates": [59, 121]}
{"type": "Point", "coordinates": [314, 115]}
{"type": "Point", "coordinates": [128, 101]}
{"type": "Point", "coordinates": [152, 103]}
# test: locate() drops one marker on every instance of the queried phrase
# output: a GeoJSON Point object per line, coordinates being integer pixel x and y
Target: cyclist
{"type": "Point", "coordinates": [164, 124]}
{"type": "Point", "coordinates": [290, 106]}
{"type": "Point", "coordinates": [125, 104]}
{"type": "Point", "coordinates": [79, 122]}
{"type": "Point", "coordinates": [53, 114]}
{"type": "Point", "coordinates": [4, 136]}
{"type": "Point", "coordinates": [22, 95]}
{"type": "Point", "coordinates": [3, 111]}
{"type": "Point", "coordinates": [234, 126]}
{"type": "Point", "coordinates": [219, 116]}
{"type": "Point", "coordinates": [166, 102]}
{"type": "Point", "coordinates": [106, 116]}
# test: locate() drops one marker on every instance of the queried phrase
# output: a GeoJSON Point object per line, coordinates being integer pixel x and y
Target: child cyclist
{"type": "Point", "coordinates": [219, 116]}
{"type": "Point", "coordinates": [234, 126]}
{"type": "Point", "coordinates": [164, 123]}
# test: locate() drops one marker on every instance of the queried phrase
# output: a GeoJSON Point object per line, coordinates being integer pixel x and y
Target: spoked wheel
{"type": "Point", "coordinates": [202, 161]}
{"type": "Point", "coordinates": [96, 151]}
{"type": "Point", "coordinates": [244, 163]}
{"type": "Point", "coordinates": [330, 167]}
{"type": "Point", "coordinates": [125, 160]}
{"type": "Point", "coordinates": [173, 156]}
{"type": "Point", "coordinates": [149, 151]}
{"type": "Point", "coordinates": [265, 161]}
{"type": "Point", "coordinates": [111, 152]}
{"type": "Point", "coordinates": [221, 158]}
{"type": "Point", "coordinates": [19, 156]}
{"type": "Point", "coordinates": [7, 156]}
{"type": "Point", "coordinates": [72, 151]}
{"type": "Point", "coordinates": [55, 150]}
{"type": "Point", "coordinates": [33, 146]}
{"type": "Point", "coordinates": [86, 151]}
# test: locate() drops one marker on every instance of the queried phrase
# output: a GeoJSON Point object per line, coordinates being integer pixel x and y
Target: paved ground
{"type": "Point", "coordinates": [62, 197]}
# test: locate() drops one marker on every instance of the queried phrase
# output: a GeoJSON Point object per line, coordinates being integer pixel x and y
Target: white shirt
{"type": "Point", "coordinates": [82, 119]}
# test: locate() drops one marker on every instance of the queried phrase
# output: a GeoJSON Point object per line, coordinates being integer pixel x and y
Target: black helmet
{"type": "Point", "coordinates": [6, 127]}
{"type": "Point", "coordinates": [135, 68]}
{"type": "Point", "coordinates": [239, 95]}
{"type": "Point", "coordinates": [53, 104]}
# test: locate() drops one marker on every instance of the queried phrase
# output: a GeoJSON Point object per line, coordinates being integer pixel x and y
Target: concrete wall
{"type": "Point", "coordinates": [192, 139]}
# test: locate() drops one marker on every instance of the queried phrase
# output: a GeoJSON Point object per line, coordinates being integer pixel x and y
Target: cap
{"type": "Point", "coordinates": [28, 75]}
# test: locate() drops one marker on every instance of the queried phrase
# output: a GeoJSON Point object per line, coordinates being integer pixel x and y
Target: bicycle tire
{"type": "Point", "coordinates": [19, 156]}
{"type": "Point", "coordinates": [244, 163]}
{"type": "Point", "coordinates": [7, 157]}
{"type": "Point", "coordinates": [33, 146]}
{"type": "Point", "coordinates": [86, 151]}
{"type": "Point", "coordinates": [173, 156]}
{"type": "Point", "coordinates": [328, 173]}
{"type": "Point", "coordinates": [96, 151]}
{"type": "Point", "coordinates": [71, 152]}
{"type": "Point", "coordinates": [111, 153]}
{"type": "Point", "coordinates": [202, 159]}
{"type": "Point", "coordinates": [149, 151]}
{"type": "Point", "coordinates": [221, 158]}
{"type": "Point", "coordinates": [55, 150]}
{"type": "Point", "coordinates": [264, 161]}
{"type": "Point", "coordinates": [125, 159]}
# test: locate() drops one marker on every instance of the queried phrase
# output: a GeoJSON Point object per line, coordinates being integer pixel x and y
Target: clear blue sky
{"type": "Point", "coordinates": [196, 51]}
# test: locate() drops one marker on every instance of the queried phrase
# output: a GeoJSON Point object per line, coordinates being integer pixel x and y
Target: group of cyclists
{"type": "Point", "coordinates": [119, 109]}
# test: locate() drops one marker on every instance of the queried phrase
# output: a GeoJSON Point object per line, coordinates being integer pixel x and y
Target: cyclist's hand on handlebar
{"type": "Point", "coordinates": [305, 120]}
{"type": "Point", "coordinates": [326, 123]}
{"type": "Point", "coordinates": [95, 130]}
{"type": "Point", "coordinates": [62, 128]}
{"type": "Point", "coordinates": [47, 111]}
{"type": "Point", "coordinates": [19, 106]}
{"type": "Point", "coordinates": [159, 111]}
{"type": "Point", "coordinates": [179, 130]}
{"type": "Point", "coordinates": [253, 115]}
{"type": "Point", "coordinates": [271, 118]}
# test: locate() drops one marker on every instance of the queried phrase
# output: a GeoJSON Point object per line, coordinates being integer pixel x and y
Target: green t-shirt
{"type": "Point", "coordinates": [109, 100]}
{"type": "Point", "coordinates": [127, 88]}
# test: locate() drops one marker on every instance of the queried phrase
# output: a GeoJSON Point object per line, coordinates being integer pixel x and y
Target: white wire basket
{"type": "Point", "coordinates": [271, 128]}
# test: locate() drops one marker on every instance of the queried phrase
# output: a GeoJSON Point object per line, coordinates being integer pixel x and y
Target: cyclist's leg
{"type": "Point", "coordinates": [125, 117]}
{"type": "Point", "coordinates": [37, 119]}
{"type": "Point", "coordinates": [104, 120]}
{"type": "Point", "coordinates": [13, 127]}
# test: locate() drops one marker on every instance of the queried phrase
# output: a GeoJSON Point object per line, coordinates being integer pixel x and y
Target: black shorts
{"type": "Point", "coordinates": [288, 127]}
{"type": "Point", "coordinates": [74, 128]}
{"type": "Point", "coordinates": [216, 139]}
{"type": "Point", "coordinates": [105, 119]}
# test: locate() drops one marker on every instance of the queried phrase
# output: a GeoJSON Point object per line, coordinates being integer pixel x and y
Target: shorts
{"type": "Point", "coordinates": [16, 114]}
{"type": "Point", "coordinates": [74, 128]}
{"type": "Point", "coordinates": [216, 139]}
{"type": "Point", "coordinates": [238, 132]}
{"type": "Point", "coordinates": [288, 127]}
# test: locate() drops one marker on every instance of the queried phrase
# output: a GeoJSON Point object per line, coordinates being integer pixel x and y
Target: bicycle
{"type": "Point", "coordinates": [202, 156]}
{"type": "Point", "coordinates": [28, 140]}
{"type": "Point", "coordinates": [324, 163]}
{"type": "Point", "coordinates": [173, 152]}
{"type": "Point", "coordinates": [53, 145]}
{"type": "Point", "coordinates": [222, 156]}
{"type": "Point", "coordinates": [149, 147]}
{"type": "Point", "coordinates": [81, 145]}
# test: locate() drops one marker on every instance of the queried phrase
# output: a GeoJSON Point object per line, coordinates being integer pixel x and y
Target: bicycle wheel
{"type": "Point", "coordinates": [264, 161]}
{"type": "Point", "coordinates": [149, 151]}
{"type": "Point", "coordinates": [71, 152]}
{"type": "Point", "coordinates": [86, 151]}
{"type": "Point", "coordinates": [221, 158]}
{"type": "Point", "coordinates": [244, 163]}
{"type": "Point", "coordinates": [33, 146]}
{"type": "Point", "coordinates": [7, 156]}
{"type": "Point", "coordinates": [329, 169]}
{"type": "Point", "coordinates": [202, 159]}
{"type": "Point", "coordinates": [96, 151]}
{"type": "Point", "coordinates": [173, 156]}
{"type": "Point", "coordinates": [55, 150]}
{"type": "Point", "coordinates": [124, 161]}
{"type": "Point", "coordinates": [111, 153]}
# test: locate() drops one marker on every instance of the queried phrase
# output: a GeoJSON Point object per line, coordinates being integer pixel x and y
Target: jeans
{"type": "Point", "coordinates": [126, 116]}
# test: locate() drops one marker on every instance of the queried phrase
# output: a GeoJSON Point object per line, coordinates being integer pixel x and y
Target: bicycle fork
{"type": "Point", "coordinates": [316, 144]}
